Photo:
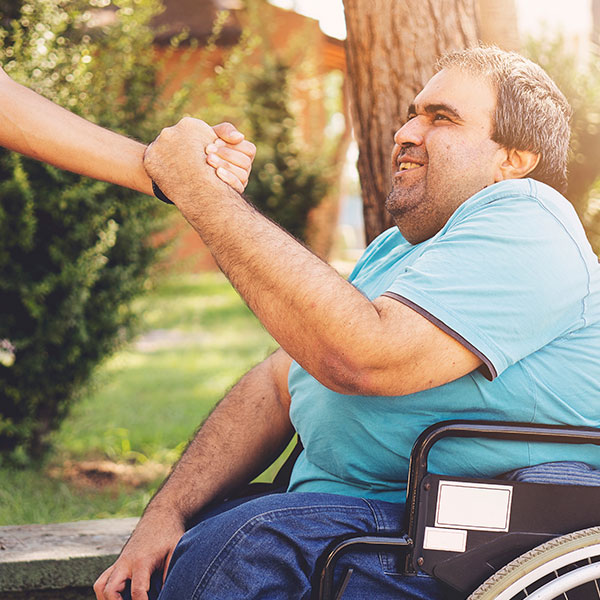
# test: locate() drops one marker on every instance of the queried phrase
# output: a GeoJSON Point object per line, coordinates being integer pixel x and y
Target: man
{"type": "Point", "coordinates": [484, 302]}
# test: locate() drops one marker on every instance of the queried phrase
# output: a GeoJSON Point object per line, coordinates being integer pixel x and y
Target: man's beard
{"type": "Point", "coordinates": [402, 202]}
{"type": "Point", "coordinates": [417, 215]}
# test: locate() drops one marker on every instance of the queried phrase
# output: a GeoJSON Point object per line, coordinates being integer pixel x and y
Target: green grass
{"type": "Point", "coordinates": [144, 404]}
{"type": "Point", "coordinates": [30, 496]}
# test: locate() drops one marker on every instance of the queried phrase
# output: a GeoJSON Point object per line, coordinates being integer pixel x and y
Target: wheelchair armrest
{"type": "Point", "coordinates": [563, 434]}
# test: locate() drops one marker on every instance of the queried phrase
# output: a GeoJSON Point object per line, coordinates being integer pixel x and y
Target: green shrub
{"type": "Point", "coordinates": [286, 182]}
{"type": "Point", "coordinates": [73, 252]}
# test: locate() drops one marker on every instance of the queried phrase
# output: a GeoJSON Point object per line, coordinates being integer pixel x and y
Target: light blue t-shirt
{"type": "Point", "coordinates": [511, 276]}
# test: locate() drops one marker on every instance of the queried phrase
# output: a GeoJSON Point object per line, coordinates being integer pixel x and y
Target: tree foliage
{"type": "Point", "coordinates": [286, 182]}
{"type": "Point", "coordinates": [73, 252]}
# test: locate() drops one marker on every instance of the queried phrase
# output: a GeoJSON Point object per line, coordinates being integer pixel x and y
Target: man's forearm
{"type": "Point", "coordinates": [36, 127]}
{"type": "Point", "coordinates": [249, 428]}
{"type": "Point", "coordinates": [317, 317]}
{"type": "Point", "coordinates": [279, 278]}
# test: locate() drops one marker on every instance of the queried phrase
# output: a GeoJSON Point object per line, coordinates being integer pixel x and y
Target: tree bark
{"type": "Point", "coordinates": [391, 49]}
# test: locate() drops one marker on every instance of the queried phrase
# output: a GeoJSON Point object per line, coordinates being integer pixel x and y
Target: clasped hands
{"type": "Point", "coordinates": [184, 159]}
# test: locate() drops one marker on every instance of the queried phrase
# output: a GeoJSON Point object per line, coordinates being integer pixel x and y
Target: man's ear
{"type": "Point", "coordinates": [517, 164]}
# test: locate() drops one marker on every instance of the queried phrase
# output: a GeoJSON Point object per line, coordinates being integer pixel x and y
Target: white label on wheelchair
{"type": "Point", "coordinates": [451, 540]}
{"type": "Point", "coordinates": [481, 506]}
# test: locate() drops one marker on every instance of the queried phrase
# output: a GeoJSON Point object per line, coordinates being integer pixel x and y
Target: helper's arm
{"type": "Point", "coordinates": [34, 126]}
{"type": "Point", "coordinates": [244, 434]}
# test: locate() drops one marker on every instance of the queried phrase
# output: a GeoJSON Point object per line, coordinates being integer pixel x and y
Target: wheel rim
{"type": "Point", "coordinates": [540, 562]}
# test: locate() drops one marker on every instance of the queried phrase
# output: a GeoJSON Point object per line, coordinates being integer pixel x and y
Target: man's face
{"type": "Point", "coordinates": [444, 153]}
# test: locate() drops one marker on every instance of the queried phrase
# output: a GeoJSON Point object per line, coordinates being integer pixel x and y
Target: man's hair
{"type": "Point", "coordinates": [531, 112]}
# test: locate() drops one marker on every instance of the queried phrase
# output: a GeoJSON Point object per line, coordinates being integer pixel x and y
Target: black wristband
{"type": "Point", "coordinates": [159, 194]}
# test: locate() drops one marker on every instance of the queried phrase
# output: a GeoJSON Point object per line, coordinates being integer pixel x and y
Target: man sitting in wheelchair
{"type": "Point", "coordinates": [482, 303]}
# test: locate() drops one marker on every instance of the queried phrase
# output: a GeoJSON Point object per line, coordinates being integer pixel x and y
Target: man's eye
{"type": "Point", "coordinates": [439, 117]}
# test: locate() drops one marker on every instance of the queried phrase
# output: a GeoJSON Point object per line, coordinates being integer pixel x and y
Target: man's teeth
{"type": "Point", "coordinates": [405, 166]}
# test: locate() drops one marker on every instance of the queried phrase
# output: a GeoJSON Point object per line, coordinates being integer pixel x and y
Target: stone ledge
{"type": "Point", "coordinates": [58, 556]}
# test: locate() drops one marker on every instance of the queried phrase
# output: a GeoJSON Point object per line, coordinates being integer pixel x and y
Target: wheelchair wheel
{"type": "Point", "coordinates": [567, 567]}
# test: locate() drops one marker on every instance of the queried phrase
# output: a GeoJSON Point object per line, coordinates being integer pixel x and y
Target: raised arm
{"type": "Point", "coordinates": [247, 430]}
{"type": "Point", "coordinates": [347, 342]}
{"type": "Point", "coordinates": [34, 126]}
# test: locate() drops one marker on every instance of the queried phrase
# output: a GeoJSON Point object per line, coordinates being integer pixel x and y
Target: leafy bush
{"type": "Point", "coordinates": [286, 182]}
{"type": "Point", "coordinates": [73, 252]}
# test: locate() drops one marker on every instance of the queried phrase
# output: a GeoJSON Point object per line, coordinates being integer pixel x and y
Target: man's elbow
{"type": "Point", "coordinates": [355, 377]}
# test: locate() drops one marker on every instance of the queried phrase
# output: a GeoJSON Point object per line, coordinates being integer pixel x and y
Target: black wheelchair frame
{"type": "Point", "coordinates": [530, 520]}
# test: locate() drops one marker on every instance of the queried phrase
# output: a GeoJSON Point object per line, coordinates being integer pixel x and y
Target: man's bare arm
{"type": "Point", "coordinates": [34, 126]}
{"type": "Point", "coordinates": [347, 342]}
{"type": "Point", "coordinates": [244, 434]}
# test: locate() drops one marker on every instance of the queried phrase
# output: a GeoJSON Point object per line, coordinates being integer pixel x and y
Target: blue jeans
{"type": "Point", "coordinates": [266, 548]}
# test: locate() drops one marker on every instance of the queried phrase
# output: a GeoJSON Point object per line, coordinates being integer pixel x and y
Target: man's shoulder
{"type": "Point", "coordinates": [520, 204]}
{"type": "Point", "coordinates": [518, 190]}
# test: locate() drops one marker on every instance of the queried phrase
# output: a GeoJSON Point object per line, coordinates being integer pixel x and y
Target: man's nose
{"type": "Point", "coordinates": [410, 133]}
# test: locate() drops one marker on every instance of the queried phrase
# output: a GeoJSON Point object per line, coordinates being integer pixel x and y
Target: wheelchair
{"type": "Point", "coordinates": [492, 539]}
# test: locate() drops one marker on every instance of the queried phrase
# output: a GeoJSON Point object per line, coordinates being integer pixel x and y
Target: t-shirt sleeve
{"type": "Point", "coordinates": [504, 281]}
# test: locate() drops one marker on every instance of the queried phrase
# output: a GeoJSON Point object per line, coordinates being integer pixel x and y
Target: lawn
{"type": "Point", "coordinates": [196, 339]}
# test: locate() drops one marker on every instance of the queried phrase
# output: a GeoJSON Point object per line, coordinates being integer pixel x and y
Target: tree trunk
{"type": "Point", "coordinates": [391, 48]}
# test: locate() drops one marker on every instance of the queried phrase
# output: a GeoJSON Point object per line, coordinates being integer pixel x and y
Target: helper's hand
{"type": "Point", "coordinates": [149, 549]}
{"type": "Point", "coordinates": [182, 160]}
{"type": "Point", "coordinates": [231, 155]}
